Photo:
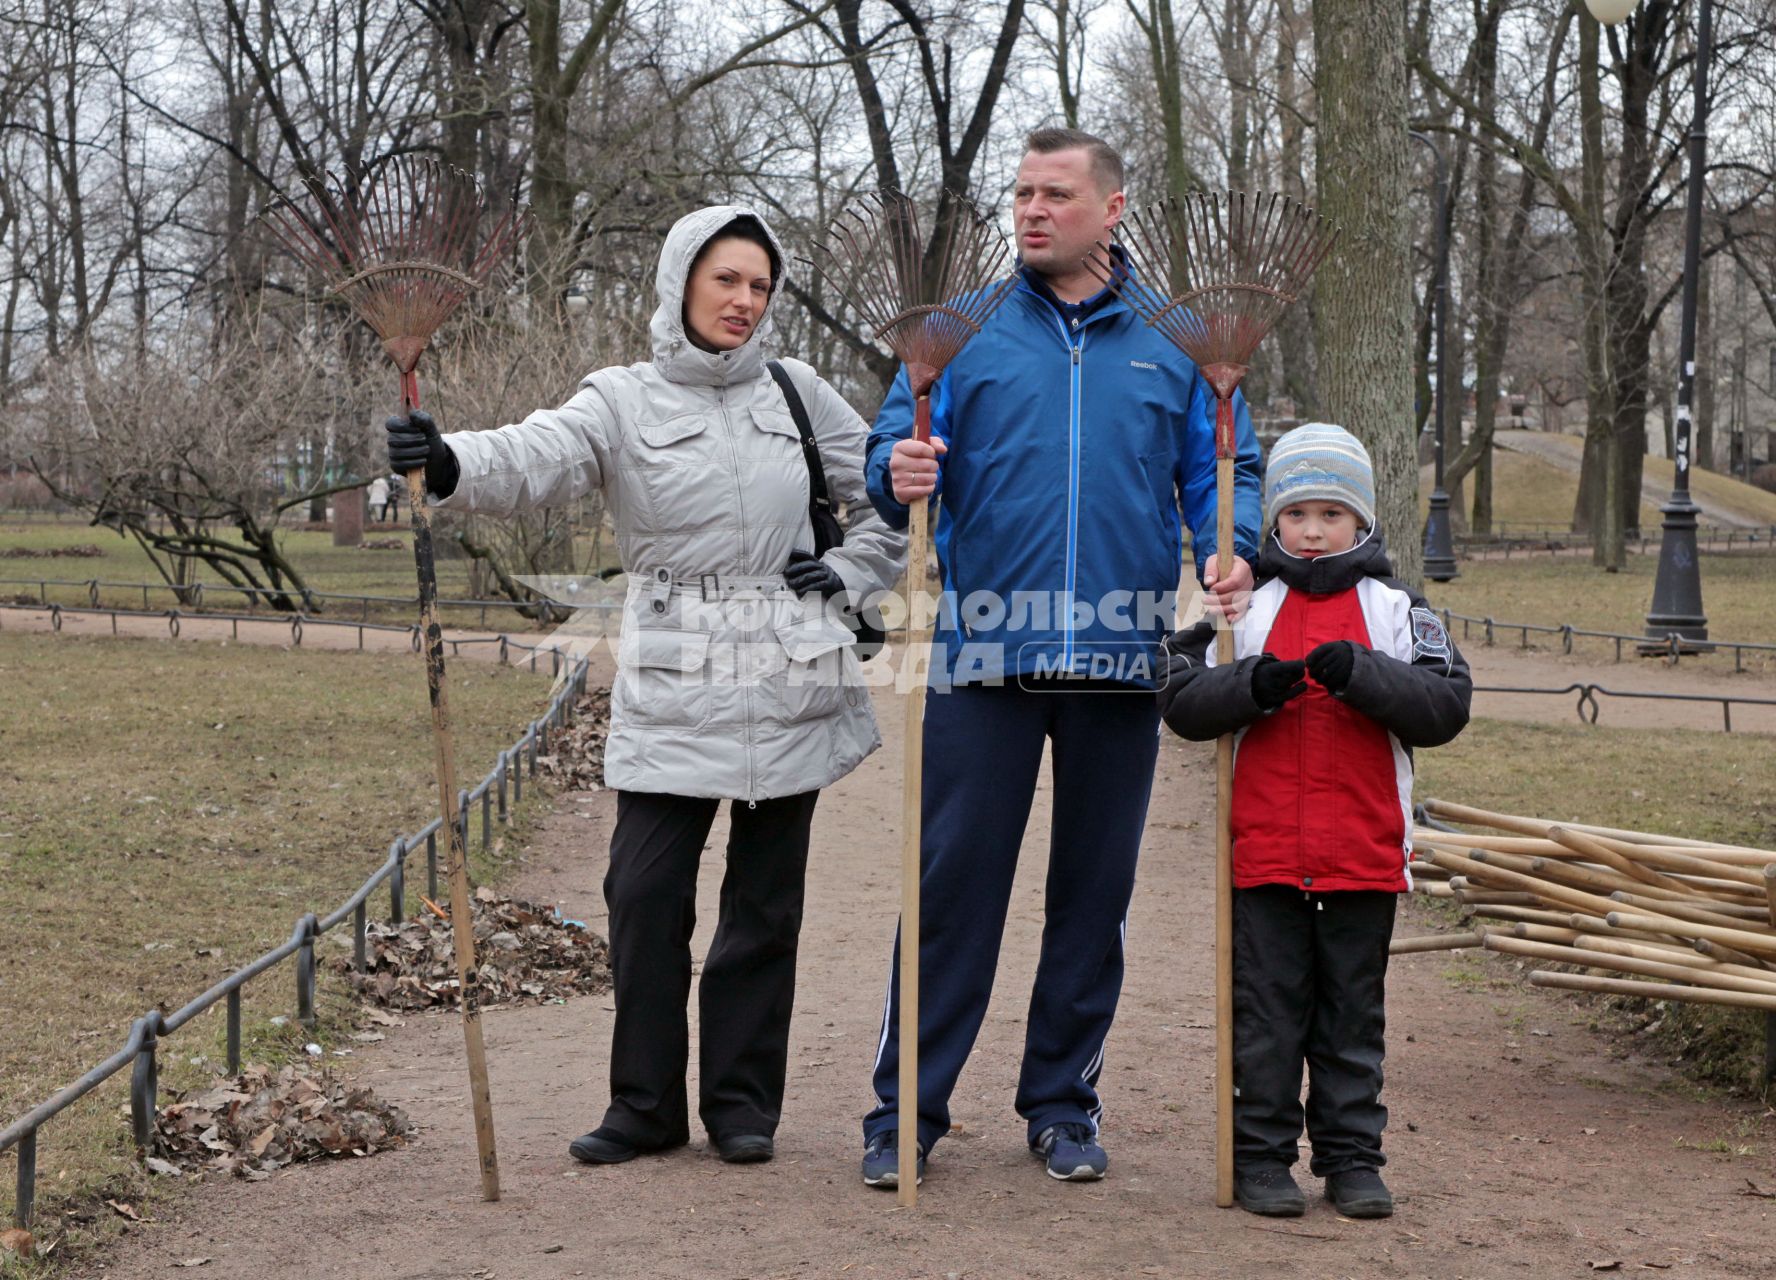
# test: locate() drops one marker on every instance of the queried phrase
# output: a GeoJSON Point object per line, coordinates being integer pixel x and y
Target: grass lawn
{"type": "Point", "coordinates": [168, 812]}
{"type": "Point", "coordinates": [1684, 782]}
{"type": "Point", "coordinates": [1738, 597]}
{"type": "Point", "coordinates": [1530, 491]}
{"type": "Point", "coordinates": [325, 567]}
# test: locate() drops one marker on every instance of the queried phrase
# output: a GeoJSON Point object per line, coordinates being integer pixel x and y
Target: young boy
{"type": "Point", "coordinates": [1339, 672]}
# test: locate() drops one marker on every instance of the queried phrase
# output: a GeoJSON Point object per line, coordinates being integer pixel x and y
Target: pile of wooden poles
{"type": "Point", "coordinates": [1645, 915]}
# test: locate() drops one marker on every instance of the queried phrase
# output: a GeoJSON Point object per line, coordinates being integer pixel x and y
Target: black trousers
{"type": "Point", "coordinates": [748, 985]}
{"type": "Point", "coordinates": [1309, 985]}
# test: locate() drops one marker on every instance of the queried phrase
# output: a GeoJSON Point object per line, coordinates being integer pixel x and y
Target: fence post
{"type": "Point", "coordinates": [505, 814]}
{"type": "Point", "coordinates": [486, 818]}
{"type": "Point", "coordinates": [305, 973]}
{"type": "Point", "coordinates": [234, 1031]}
{"type": "Point", "coordinates": [398, 884]}
{"type": "Point", "coordinates": [359, 926]}
{"type": "Point", "coordinates": [432, 866]}
{"type": "Point", "coordinates": [518, 773]}
{"type": "Point", "coordinates": [145, 1082]}
{"type": "Point", "coordinates": [462, 819]}
{"type": "Point", "coordinates": [27, 1181]}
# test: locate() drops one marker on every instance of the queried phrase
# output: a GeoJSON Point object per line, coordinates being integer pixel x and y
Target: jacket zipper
{"type": "Point", "coordinates": [1075, 342]}
{"type": "Point", "coordinates": [721, 400]}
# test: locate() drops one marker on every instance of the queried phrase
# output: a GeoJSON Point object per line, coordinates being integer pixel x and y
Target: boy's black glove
{"type": "Point", "coordinates": [1275, 682]}
{"type": "Point", "coordinates": [413, 441]}
{"type": "Point", "coordinates": [1331, 664]}
{"type": "Point", "coordinates": [807, 573]}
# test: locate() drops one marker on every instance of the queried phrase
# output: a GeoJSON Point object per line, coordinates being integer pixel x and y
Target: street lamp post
{"type": "Point", "coordinates": [1677, 590]}
{"type": "Point", "coordinates": [1439, 550]}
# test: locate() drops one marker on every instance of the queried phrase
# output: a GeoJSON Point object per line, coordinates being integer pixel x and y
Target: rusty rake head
{"type": "Point", "coordinates": [400, 247]}
{"type": "Point", "coordinates": [923, 303]}
{"type": "Point", "coordinates": [1215, 271]}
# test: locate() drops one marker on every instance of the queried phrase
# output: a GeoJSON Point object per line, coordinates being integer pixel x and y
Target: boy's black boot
{"type": "Point", "coordinates": [1269, 1190]}
{"type": "Point", "coordinates": [1360, 1193]}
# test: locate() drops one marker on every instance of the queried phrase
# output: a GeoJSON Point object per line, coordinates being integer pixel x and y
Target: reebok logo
{"type": "Point", "coordinates": [1142, 364]}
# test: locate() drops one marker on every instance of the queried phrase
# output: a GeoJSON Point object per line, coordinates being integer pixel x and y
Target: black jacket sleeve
{"type": "Point", "coordinates": [1201, 702]}
{"type": "Point", "coordinates": [1424, 702]}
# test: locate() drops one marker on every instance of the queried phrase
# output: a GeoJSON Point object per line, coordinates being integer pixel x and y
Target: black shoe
{"type": "Point", "coordinates": [1269, 1191]}
{"type": "Point", "coordinates": [604, 1145]}
{"type": "Point", "coordinates": [1360, 1193]}
{"type": "Point", "coordinates": [745, 1148]}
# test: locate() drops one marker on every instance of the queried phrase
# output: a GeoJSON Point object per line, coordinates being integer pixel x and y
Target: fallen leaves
{"type": "Point", "coordinates": [576, 759]}
{"type": "Point", "coordinates": [124, 1209]}
{"type": "Point", "coordinates": [527, 954]}
{"type": "Point", "coordinates": [258, 1122]}
{"type": "Point", "coordinates": [19, 1241]}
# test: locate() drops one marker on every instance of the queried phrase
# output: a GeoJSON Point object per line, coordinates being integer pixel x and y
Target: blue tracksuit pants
{"type": "Point", "coordinates": [983, 750]}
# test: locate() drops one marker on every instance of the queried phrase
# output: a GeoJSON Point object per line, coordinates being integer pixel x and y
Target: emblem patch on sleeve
{"type": "Point", "coordinates": [1429, 639]}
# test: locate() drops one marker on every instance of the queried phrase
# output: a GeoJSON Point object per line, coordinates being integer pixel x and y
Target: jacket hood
{"type": "Point", "coordinates": [1322, 575]}
{"type": "Point", "coordinates": [675, 355]}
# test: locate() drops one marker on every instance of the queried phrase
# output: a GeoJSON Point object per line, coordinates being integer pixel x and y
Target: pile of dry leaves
{"type": "Point", "coordinates": [527, 954]}
{"type": "Point", "coordinates": [82, 551]}
{"type": "Point", "coordinates": [259, 1121]}
{"type": "Point", "coordinates": [576, 759]}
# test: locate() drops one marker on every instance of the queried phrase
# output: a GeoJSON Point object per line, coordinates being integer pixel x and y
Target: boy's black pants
{"type": "Point", "coordinates": [1309, 980]}
{"type": "Point", "coordinates": [748, 985]}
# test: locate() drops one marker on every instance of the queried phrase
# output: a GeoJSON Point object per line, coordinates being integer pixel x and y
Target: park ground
{"type": "Point", "coordinates": [1531, 1133]}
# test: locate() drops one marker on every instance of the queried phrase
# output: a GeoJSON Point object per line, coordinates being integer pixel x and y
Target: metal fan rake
{"type": "Point", "coordinates": [1214, 272]}
{"type": "Point", "coordinates": [404, 249]}
{"type": "Point", "coordinates": [924, 303]}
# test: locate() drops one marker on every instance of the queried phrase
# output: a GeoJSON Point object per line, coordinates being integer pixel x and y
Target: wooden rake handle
{"type": "Point", "coordinates": [1224, 459]}
{"type": "Point", "coordinates": [462, 922]}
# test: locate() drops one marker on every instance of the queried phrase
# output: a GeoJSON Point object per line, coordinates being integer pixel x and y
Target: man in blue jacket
{"type": "Point", "coordinates": [1066, 439]}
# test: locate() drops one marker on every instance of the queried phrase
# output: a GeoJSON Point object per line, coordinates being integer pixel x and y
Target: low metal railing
{"type": "Point", "coordinates": [502, 788]}
{"type": "Point", "coordinates": [1587, 706]}
{"type": "Point", "coordinates": [1671, 647]}
{"type": "Point", "coordinates": [192, 596]}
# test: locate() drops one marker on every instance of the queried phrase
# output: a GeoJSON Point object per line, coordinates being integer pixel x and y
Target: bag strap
{"type": "Point", "coordinates": [819, 500]}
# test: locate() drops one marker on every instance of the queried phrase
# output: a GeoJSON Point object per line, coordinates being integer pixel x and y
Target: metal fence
{"type": "Point", "coordinates": [1587, 706]}
{"type": "Point", "coordinates": [495, 794]}
{"type": "Point", "coordinates": [1671, 647]}
{"type": "Point", "coordinates": [192, 597]}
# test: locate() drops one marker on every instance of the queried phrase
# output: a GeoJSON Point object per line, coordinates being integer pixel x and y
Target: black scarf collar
{"type": "Point", "coordinates": [1323, 575]}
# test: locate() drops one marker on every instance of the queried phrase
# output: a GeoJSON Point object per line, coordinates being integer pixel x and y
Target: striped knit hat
{"type": "Point", "coordinates": [1320, 462]}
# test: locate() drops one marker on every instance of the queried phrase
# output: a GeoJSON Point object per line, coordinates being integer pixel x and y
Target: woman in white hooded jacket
{"type": "Point", "coordinates": [735, 678]}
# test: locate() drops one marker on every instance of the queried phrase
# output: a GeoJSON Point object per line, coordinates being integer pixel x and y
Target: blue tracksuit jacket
{"type": "Point", "coordinates": [1076, 434]}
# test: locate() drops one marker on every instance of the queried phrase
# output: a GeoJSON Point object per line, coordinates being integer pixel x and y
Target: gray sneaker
{"type": "Point", "coordinates": [881, 1161]}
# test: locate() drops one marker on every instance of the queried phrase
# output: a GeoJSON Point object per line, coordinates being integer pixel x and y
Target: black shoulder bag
{"type": "Point", "coordinates": [865, 622]}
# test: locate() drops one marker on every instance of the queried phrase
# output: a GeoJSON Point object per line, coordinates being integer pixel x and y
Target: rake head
{"type": "Point", "coordinates": [923, 304]}
{"type": "Point", "coordinates": [1215, 271]}
{"type": "Point", "coordinates": [400, 247]}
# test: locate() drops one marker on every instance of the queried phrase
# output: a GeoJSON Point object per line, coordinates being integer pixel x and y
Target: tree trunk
{"type": "Point", "coordinates": [1598, 508]}
{"type": "Point", "coordinates": [1294, 336]}
{"type": "Point", "coordinates": [1365, 312]}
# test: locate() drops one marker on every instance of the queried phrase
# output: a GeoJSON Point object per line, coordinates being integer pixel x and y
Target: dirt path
{"type": "Point", "coordinates": [1522, 1143]}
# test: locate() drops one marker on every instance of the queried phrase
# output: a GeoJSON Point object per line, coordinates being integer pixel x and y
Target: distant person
{"type": "Point", "coordinates": [379, 498]}
{"type": "Point", "coordinates": [735, 680]}
{"type": "Point", "coordinates": [1340, 672]}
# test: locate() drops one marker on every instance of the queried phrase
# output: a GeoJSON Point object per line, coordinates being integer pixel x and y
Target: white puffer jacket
{"type": "Point", "coordinates": [727, 684]}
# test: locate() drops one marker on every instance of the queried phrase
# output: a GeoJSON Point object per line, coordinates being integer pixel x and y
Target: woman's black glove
{"type": "Point", "coordinates": [1332, 663]}
{"type": "Point", "coordinates": [1275, 682]}
{"type": "Point", "coordinates": [809, 573]}
{"type": "Point", "coordinates": [413, 441]}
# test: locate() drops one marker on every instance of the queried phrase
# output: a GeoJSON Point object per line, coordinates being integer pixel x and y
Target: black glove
{"type": "Point", "coordinates": [1332, 663]}
{"type": "Point", "coordinates": [808, 573]}
{"type": "Point", "coordinates": [1275, 682]}
{"type": "Point", "coordinates": [414, 441]}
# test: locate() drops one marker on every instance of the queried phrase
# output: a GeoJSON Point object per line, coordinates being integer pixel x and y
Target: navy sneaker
{"type": "Point", "coordinates": [1270, 1191]}
{"type": "Point", "coordinates": [881, 1161]}
{"type": "Point", "coordinates": [1360, 1193]}
{"type": "Point", "coordinates": [1072, 1152]}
